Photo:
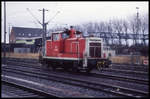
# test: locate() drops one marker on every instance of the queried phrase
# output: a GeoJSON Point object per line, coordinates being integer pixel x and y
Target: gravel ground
{"type": "Point", "coordinates": [134, 68]}
{"type": "Point", "coordinates": [11, 91]}
{"type": "Point", "coordinates": [110, 81]}
{"type": "Point", "coordinates": [141, 76]}
{"type": "Point", "coordinates": [104, 80]}
{"type": "Point", "coordinates": [123, 74]}
{"type": "Point", "coordinates": [66, 87]}
{"type": "Point", "coordinates": [113, 82]}
{"type": "Point", "coordinates": [5, 95]}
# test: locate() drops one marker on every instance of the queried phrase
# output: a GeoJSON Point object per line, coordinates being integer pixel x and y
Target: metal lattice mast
{"type": "Point", "coordinates": [44, 32]}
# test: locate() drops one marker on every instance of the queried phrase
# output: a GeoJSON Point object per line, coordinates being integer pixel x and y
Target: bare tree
{"type": "Point", "coordinates": [110, 30]}
{"type": "Point", "coordinates": [125, 30]}
{"type": "Point", "coordinates": [133, 28]}
{"type": "Point", "coordinates": [102, 27]}
{"type": "Point", "coordinates": [144, 27]}
{"type": "Point", "coordinates": [90, 27]}
{"type": "Point", "coordinates": [135, 24]}
{"type": "Point", "coordinates": [118, 28]}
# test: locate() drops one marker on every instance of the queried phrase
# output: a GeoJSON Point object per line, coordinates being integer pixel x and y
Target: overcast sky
{"type": "Point", "coordinates": [71, 13]}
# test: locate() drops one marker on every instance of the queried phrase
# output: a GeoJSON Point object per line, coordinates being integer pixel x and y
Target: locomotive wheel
{"type": "Point", "coordinates": [49, 66]}
{"type": "Point", "coordinates": [88, 70]}
{"type": "Point", "coordinates": [74, 68]}
{"type": "Point", "coordinates": [53, 68]}
{"type": "Point", "coordinates": [44, 65]}
{"type": "Point", "coordinates": [66, 68]}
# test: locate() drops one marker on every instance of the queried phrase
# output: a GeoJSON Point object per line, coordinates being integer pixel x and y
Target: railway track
{"type": "Point", "coordinates": [23, 60]}
{"type": "Point", "coordinates": [41, 89]}
{"type": "Point", "coordinates": [135, 65]}
{"type": "Point", "coordinates": [114, 64]}
{"type": "Point", "coordinates": [59, 92]}
{"type": "Point", "coordinates": [139, 69]}
{"type": "Point", "coordinates": [122, 78]}
{"type": "Point", "coordinates": [125, 71]}
{"type": "Point", "coordinates": [18, 90]}
{"type": "Point", "coordinates": [96, 74]}
{"type": "Point", "coordinates": [83, 83]}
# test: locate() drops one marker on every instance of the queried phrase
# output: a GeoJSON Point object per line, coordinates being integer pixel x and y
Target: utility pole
{"type": "Point", "coordinates": [44, 25]}
{"type": "Point", "coordinates": [4, 32]}
{"type": "Point", "coordinates": [137, 26]}
{"type": "Point", "coordinates": [138, 35]}
{"type": "Point", "coordinates": [9, 37]}
{"type": "Point", "coordinates": [44, 32]}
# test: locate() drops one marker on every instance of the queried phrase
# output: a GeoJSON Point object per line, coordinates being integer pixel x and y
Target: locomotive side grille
{"type": "Point", "coordinates": [95, 49]}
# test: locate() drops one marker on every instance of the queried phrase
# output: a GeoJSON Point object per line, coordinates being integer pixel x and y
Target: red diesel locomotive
{"type": "Point", "coordinates": [70, 50]}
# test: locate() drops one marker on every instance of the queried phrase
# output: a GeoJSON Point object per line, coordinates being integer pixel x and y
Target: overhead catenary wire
{"type": "Point", "coordinates": [52, 17]}
{"type": "Point", "coordinates": [35, 23]}
{"type": "Point", "coordinates": [34, 16]}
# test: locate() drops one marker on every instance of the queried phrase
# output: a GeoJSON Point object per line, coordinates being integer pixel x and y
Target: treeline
{"type": "Point", "coordinates": [136, 24]}
{"type": "Point", "coordinates": [132, 25]}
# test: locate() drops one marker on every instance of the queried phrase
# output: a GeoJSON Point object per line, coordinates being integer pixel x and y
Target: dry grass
{"type": "Point", "coordinates": [23, 55]}
{"type": "Point", "coordinates": [128, 59]}
{"type": "Point", "coordinates": [120, 59]}
{"type": "Point", "coordinates": [116, 59]}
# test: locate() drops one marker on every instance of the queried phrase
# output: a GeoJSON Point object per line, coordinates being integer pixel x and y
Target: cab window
{"type": "Point", "coordinates": [64, 35]}
{"type": "Point", "coordinates": [55, 37]}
